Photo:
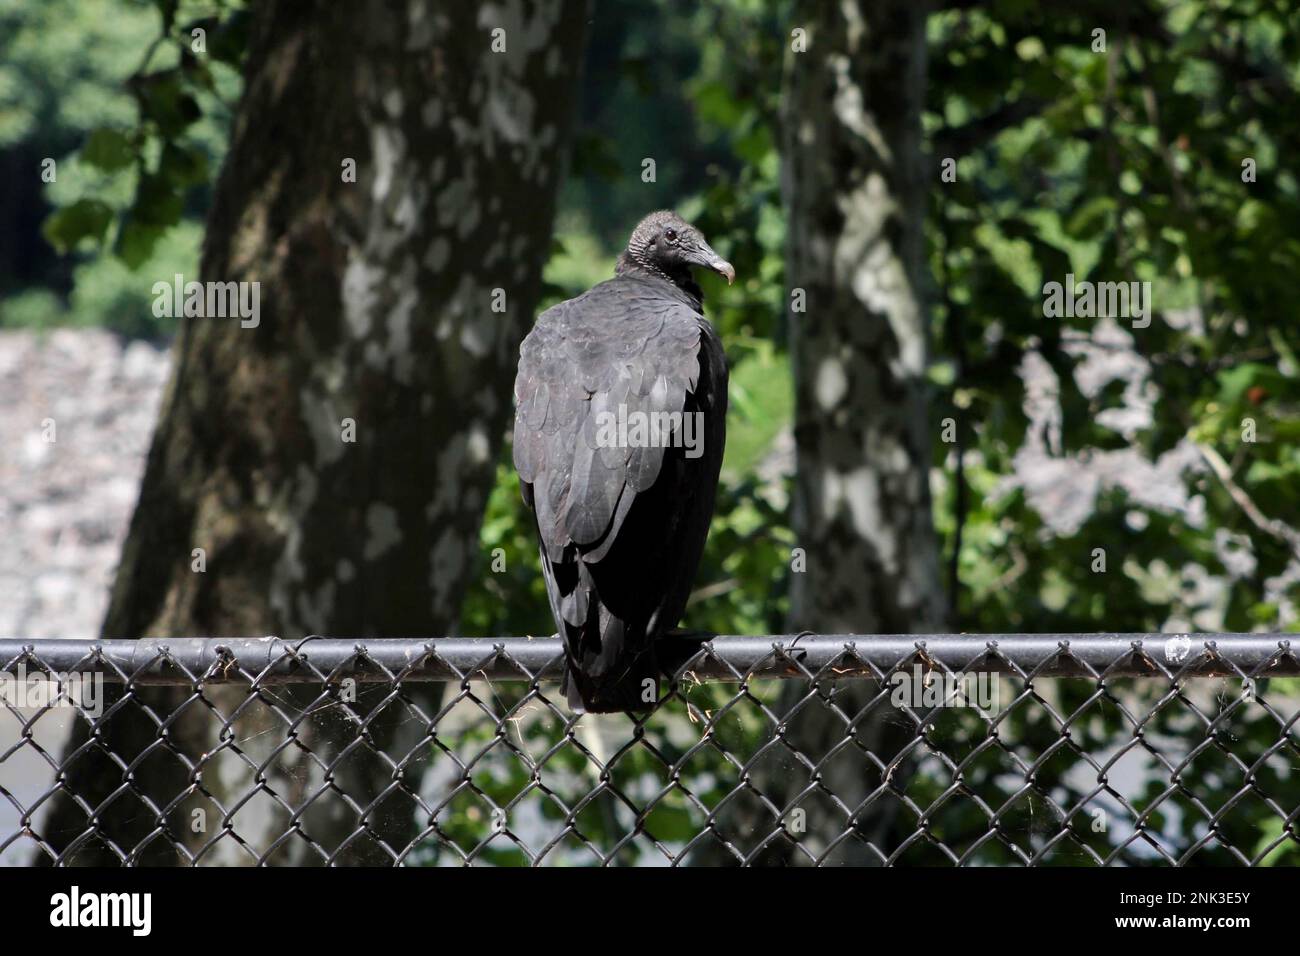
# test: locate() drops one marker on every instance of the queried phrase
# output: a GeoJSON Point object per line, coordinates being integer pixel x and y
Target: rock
{"type": "Point", "coordinates": [65, 504]}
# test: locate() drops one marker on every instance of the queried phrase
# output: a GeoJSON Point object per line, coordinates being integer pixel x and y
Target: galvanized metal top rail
{"type": "Point", "coordinates": [273, 660]}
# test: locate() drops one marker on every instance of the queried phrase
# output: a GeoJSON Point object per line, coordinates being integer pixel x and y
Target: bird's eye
{"type": "Point", "coordinates": [671, 235]}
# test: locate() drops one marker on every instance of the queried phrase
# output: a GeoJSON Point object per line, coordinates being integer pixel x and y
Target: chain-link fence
{"type": "Point", "coordinates": [815, 749]}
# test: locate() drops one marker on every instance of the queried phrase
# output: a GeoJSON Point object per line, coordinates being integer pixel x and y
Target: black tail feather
{"type": "Point", "coordinates": [635, 690]}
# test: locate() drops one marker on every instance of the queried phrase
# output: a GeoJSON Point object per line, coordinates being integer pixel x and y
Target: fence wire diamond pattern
{"type": "Point", "coordinates": [1107, 750]}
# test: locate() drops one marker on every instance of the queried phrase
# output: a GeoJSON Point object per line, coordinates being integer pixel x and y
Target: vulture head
{"type": "Point", "coordinates": [665, 245]}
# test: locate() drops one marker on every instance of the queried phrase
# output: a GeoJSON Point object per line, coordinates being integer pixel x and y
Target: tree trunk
{"type": "Point", "coordinates": [853, 185]}
{"type": "Point", "coordinates": [380, 322]}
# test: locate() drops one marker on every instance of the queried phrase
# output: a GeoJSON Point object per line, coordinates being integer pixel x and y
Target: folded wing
{"type": "Point", "coordinates": [620, 353]}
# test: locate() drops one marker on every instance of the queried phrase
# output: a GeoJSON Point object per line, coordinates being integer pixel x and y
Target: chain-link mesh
{"type": "Point", "coordinates": [957, 750]}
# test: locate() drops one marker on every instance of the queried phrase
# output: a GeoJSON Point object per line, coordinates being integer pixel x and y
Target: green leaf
{"type": "Point", "coordinates": [1090, 218]}
{"type": "Point", "coordinates": [183, 165]}
{"type": "Point", "coordinates": [109, 150]}
{"type": "Point", "coordinates": [136, 243]}
{"type": "Point", "coordinates": [163, 100]}
{"type": "Point", "coordinates": [157, 201]}
{"type": "Point", "coordinates": [229, 42]}
{"type": "Point", "coordinates": [1233, 382]}
{"type": "Point", "coordinates": [84, 219]}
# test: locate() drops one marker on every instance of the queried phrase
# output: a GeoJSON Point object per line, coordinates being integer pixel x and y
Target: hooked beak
{"type": "Point", "coordinates": [711, 260]}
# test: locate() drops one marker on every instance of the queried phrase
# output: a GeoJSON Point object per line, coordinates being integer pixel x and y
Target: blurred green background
{"type": "Point", "coordinates": [1052, 439]}
{"type": "Point", "coordinates": [1126, 165]}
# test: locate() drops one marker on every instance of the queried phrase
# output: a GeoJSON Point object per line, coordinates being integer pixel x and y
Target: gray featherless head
{"type": "Point", "coordinates": [666, 245]}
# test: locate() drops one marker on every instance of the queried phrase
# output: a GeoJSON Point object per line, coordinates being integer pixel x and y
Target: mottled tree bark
{"type": "Point", "coordinates": [853, 187]}
{"type": "Point", "coordinates": [377, 306]}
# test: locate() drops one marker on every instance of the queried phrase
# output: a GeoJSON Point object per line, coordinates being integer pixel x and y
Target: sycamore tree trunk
{"type": "Point", "coordinates": [332, 463]}
{"type": "Point", "coordinates": [853, 186]}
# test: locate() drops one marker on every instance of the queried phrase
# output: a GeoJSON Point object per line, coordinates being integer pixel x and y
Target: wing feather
{"type": "Point", "coordinates": [623, 349]}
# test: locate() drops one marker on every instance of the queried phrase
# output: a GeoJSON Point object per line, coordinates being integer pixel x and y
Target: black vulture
{"type": "Point", "coordinates": [620, 422]}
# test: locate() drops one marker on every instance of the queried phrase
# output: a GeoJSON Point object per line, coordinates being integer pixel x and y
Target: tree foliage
{"type": "Point", "coordinates": [1153, 153]}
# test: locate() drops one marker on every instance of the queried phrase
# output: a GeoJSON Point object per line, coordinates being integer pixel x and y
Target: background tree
{"type": "Point", "coordinates": [1120, 473]}
{"type": "Point", "coordinates": [1088, 474]}
{"type": "Point", "coordinates": [854, 181]}
{"type": "Point", "coordinates": [332, 462]}
{"type": "Point", "coordinates": [865, 558]}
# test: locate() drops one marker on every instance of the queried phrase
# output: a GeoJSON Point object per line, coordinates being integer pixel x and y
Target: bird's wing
{"type": "Point", "coordinates": [624, 343]}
